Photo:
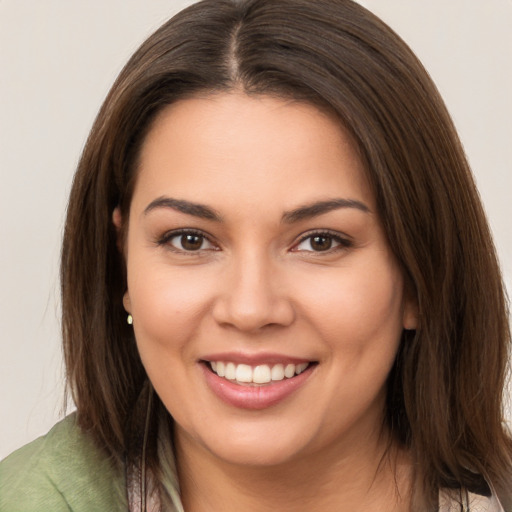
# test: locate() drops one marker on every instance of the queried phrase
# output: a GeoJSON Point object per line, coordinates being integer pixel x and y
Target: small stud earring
{"type": "Point", "coordinates": [129, 319]}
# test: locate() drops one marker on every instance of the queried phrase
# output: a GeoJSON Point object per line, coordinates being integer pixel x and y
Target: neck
{"type": "Point", "coordinates": [369, 476]}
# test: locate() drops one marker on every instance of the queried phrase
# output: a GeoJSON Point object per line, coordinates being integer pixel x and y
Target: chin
{"type": "Point", "coordinates": [256, 444]}
{"type": "Point", "coordinates": [257, 456]}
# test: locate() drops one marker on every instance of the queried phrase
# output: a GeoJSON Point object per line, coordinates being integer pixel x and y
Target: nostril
{"type": "Point", "coordinates": [253, 311]}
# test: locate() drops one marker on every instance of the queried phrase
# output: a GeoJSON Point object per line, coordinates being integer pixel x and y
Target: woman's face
{"type": "Point", "coordinates": [267, 305]}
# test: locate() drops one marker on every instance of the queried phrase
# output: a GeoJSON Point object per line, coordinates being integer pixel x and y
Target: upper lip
{"type": "Point", "coordinates": [256, 358]}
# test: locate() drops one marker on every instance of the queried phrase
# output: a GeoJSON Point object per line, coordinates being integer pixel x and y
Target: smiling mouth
{"type": "Point", "coordinates": [261, 374]}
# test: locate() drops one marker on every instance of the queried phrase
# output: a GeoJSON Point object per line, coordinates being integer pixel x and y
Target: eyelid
{"type": "Point", "coordinates": [344, 240]}
{"type": "Point", "coordinates": [169, 235]}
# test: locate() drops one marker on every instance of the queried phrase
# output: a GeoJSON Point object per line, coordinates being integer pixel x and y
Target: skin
{"type": "Point", "coordinates": [258, 285]}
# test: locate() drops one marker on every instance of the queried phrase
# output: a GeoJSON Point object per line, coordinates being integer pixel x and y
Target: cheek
{"type": "Point", "coordinates": [357, 314]}
{"type": "Point", "coordinates": [167, 304]}
{"type": "Point", "coordinates": [356, 307]}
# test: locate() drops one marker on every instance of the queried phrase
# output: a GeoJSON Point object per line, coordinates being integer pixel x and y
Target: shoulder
{"type": "Point", "coordinates": [61, 471]}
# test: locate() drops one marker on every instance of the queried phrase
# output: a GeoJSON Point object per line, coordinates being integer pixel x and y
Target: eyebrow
{"type": "Point", "coordinates": [195, 209]}
{"type": "Point", "coordinates": [301, 213]}
{"type": "Point", "coordinates": [320, 207]}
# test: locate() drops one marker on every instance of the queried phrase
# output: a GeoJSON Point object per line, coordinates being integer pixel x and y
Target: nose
{"type": "Point", "coordinates": [252, 296]}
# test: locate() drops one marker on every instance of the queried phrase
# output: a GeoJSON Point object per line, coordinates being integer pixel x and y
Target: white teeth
{"type": "Point", "coordinates": [243, 373]}
{"type": "Point", "coordinates": [231, 371]}
{"type": "Point", "coordinates": [221, 369]}
{"type": "Point", "coordinates": [289, 370]}
{"type": "Point", "coordinates": [277, 372]}
{"type": "Point", "coordinates": [261, 374]}
{"type": "Point", "coordinates": [300, 368]}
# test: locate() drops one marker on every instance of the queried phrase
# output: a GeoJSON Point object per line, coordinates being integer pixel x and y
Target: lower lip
{"type": "Point", "coordinates": [254, 397]}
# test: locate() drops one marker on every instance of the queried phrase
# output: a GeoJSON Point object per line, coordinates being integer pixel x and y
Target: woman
{"type": "Point", "coordinates": [279, 288]}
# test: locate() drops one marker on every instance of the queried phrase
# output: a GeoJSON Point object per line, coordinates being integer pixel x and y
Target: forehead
{"type": "Point", "coordinates": [257, 150]}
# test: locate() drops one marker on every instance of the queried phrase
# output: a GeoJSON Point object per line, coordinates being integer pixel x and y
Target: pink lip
{"type": "Point", "coordinates": [253, 397]}
{"type": "Point", "coordinates": [254, 359]}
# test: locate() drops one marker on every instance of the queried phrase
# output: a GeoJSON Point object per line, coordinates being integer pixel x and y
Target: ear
{"type": "Point", "coordinates": [410, 314]}
{"type": "Point", "coordinates": [127, 302]}
{"type": "Point", "coordinates": [117, 220]}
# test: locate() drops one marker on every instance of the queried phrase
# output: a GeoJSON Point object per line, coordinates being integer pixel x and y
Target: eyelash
{"type": "Point", "coordinates": [344, 242]}
{"type": "Point", "coordinates": [167, 237]}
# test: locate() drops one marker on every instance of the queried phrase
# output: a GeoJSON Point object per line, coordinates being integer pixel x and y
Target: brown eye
{"type": "Point", "coordinates": [321, 243]}
{"type": "Point", "coordinates": [189, 242]}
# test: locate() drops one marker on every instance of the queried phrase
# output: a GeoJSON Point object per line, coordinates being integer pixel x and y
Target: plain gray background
{"type": "Point", "coordinates": [57, 61]}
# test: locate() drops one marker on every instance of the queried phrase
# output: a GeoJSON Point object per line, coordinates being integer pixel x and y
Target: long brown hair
{"type": "Point", "coordinates": [446, 388]}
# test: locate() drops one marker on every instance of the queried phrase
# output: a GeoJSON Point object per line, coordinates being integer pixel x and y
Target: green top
{"type": "Point", "coordinates": [62, 471]}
